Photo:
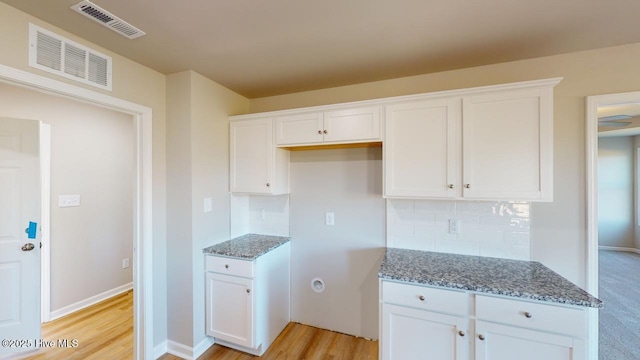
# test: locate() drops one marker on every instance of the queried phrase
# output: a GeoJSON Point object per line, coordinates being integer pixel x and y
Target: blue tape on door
{"type": "Point", "coordinates": [31, 230]}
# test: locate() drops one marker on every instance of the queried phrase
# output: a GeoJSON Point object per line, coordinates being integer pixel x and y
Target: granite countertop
{"type": "Point", "coordinates": [247, 247]}
{"type": "Point", "coordinates": [515, 278]}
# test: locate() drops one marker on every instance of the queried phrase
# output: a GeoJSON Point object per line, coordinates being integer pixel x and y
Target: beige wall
{"type": "Point", "coordinates": [616, 224]}
{"type": "Point", "coordinates": [92, 155]}
{"type": "Point", "coordinates": [132, 82]}
{"type": "Point", "coordinates": [558, 229]}
{"type": "Point", "coordinates": [198, 164]}
{"type": "Point", "coordinates": [347, 182]}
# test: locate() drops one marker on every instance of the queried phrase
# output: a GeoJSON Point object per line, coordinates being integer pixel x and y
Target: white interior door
{"type": "Point", "coordinates": [19, 261]}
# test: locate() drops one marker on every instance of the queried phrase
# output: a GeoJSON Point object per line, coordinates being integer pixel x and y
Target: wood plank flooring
{"type": "Point", "coordinates": [103, 331]}
{"type": "Point", "coordinates": [298, 342]}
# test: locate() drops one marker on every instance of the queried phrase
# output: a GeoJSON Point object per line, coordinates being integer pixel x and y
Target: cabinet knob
{"type": "Point", "coordinates": [451, 186]}
{"type": "Point", "coordinates": [325, 131]}
{"type": "Point", "coordinates": [421, 297]}
{"type": "Point", "coordinates": [481, 337]}
{"type": "Point", "coordinates": [319, 132]}
{"type": "Point", "coordinates": [226, 266]}
{"type": "Point", "coordinates": [467, 186]}
{"type": "Point", "coordinates": [528, 315]}
{"type": "Point", "coordinates": [268, 184]}
{"type": "Point", "coordinates": [248, 291]}
{"type": "Point", "coordinates": [461, 333]}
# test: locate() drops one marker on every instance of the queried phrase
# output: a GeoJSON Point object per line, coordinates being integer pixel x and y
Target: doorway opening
{"type": "Point", "coordinates": [612, 204]}
{"type": "Point", "coordinates": [142, 227]}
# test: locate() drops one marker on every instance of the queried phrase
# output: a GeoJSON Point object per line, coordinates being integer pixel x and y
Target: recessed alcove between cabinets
{"type": "Point", "coordinates": [406, 167]}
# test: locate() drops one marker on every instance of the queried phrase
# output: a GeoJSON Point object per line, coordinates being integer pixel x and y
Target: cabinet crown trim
{"type": "Point", "coordinates": [397, 99]}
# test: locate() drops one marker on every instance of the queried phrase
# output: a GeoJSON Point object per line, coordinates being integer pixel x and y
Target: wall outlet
{"type": "Point", "coordinates": [454, 226]}
{"type": "Point", "coordinates": [125, 263]}
{"type": "Point", "coordinates": [208, 205]}
{"type": "Point", "coordinates": [68, 200]}
{"type": "Point", "coordinates": [329, 219]}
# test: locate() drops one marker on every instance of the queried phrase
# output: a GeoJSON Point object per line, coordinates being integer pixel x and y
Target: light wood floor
{"type": "Point", "coordinates": [298, 342]}
{"type": "Point", "coordinates": [103, 331]}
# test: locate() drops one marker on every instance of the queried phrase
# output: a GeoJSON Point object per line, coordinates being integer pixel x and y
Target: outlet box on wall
{"type": "Point", "coordinates": [125, 263]}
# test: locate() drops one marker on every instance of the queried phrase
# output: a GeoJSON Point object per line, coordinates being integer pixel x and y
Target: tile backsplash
{"type": "Point", "coordinates": [268, 215]}
{"type": "Point", "coordinates": [486, 228]}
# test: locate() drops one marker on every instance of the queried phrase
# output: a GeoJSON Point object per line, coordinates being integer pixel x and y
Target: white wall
{"type": "Point", "coordinates": [616, 225]}
{"type": "Point", "coordinates": [198, 167]}
{"type": "Point", "coordinates": [347, 255]}
{"type": "Point", "coordinates": [92, 155]}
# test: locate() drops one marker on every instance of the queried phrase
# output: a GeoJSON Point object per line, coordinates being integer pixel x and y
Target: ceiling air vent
{"type": "Point", "coordinates": [55, 54]}
{"type": "Point", "coordinates": [107, 19]}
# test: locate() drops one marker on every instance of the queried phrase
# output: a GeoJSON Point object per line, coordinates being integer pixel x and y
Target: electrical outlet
{"type": "Point", "coordinates": [329, 219]}
{"type": "Point", "coordinates": [454, 226]}
{"type": "Point", "coordinates": [125, 263]}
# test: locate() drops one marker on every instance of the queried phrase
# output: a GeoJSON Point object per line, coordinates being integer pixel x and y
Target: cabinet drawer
{"type": "Point", "coordinates": [421, 297]}
{"type": "Point", "coordinates": [229, 266]}
{"type": "Point", "coordinates": [538, 316]}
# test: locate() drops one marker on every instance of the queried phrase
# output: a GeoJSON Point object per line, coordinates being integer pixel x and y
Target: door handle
{"type": "Point", "coordinates": [28, 247]}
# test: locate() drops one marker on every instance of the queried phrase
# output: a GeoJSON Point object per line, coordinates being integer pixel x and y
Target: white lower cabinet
{"type": "Point", "coordinates": [247, 302]}
{"type": "Point", "coordinates": [419, 334]}
{"type": "Point", "coordinates": [505, 342]}
{"type": "Point", "coordinates": [422, 322]}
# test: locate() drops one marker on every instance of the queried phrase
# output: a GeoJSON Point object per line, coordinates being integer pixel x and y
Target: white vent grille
{"type": "Point", "coordinates": [53, 53]}
{"type": "Point", "coordinates": [102, 16]}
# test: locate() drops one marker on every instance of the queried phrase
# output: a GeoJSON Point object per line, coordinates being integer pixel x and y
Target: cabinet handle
{"type": "Point", "coordinates": [451, 186]}
{"type": "Point", "coordinates": [528, 315]}
{"type": "Point", "coordinates": [325, 131]}
{"type": "Point", "coordinates": [461, 333]}
{"type": "Point", "coordinates": [421, 297]}
{"type": "Point", "coordinates": [481, 337]}
{"type": "Point", "coordinates": [248, 291]}
{"type": "Point", "coordinates": [268, 184]}
{"type": "Point", "coordinates": [467, 186]}
{"type": "Point", "coordinates": [226, 266]}
{"type": "Point", "coordinates": [319, 132]}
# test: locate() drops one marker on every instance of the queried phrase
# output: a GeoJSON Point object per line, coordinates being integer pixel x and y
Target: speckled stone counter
{"type": "Point", "coordinates": [248, 247]}
{"type": "Point", "coordinates": [515, 278]}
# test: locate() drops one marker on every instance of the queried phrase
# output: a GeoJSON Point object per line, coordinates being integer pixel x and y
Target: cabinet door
{"type": "Point", "coordinates": [409, 333]}
{"type": "Point", "coordinates": [352, 125]}
{"type": "Point", "coordinates": [503, 342]}
{"type": "Point", "coordinates": [252, 153]}
{"type": "Point", "coordinates": [508, 145]}
{"type": "Point", "coordinates": [299, 129]}
{"type": "Point", "coordinates": [421, 149]}
{"type": "Point", "coordinates": [230, 309]}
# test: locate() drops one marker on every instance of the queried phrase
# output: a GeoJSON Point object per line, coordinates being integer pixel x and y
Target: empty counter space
{"type": "Point", "coordinates": [247, 291]}
{"type": "Point", "coordinates": [472, 307]}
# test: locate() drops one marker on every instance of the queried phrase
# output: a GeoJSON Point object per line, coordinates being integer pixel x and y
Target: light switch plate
{"type": "Point", "coordinates": [208, 205]}
{"type": "Point", "coordinates": [68, 200]}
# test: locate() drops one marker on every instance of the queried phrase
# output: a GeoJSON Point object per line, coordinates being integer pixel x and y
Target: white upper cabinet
{"type": "Point", "coordinates": [489, 144]}
{"type": "Point", "coordinates": [421, 149]}
{"type": "Point", "coordinates": [508, 145]}
{"type": "Point", "coordinates": [339, 126]}
{"type": "Point", "coordinates": [257, 166]}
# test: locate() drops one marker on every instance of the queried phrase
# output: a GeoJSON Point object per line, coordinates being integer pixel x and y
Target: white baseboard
{"type": "Point", "coordinates": [90, 301]}
{"type": "Point", "coordinates": [160, 349]}
{"type": "Point", "coordinates": [618, 248]}
{"type": "Point", "coordinates": [203, 346]}
{"type": "Point", "coordinates": [183, 351]}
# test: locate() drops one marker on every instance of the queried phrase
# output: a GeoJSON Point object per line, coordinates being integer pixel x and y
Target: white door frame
{"type": "Point", "coordinates": [593, 103]}
{"type": "Point", "coordinates": [45, 219]}
{"type": "Point", "coordinates": [143, 204]}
